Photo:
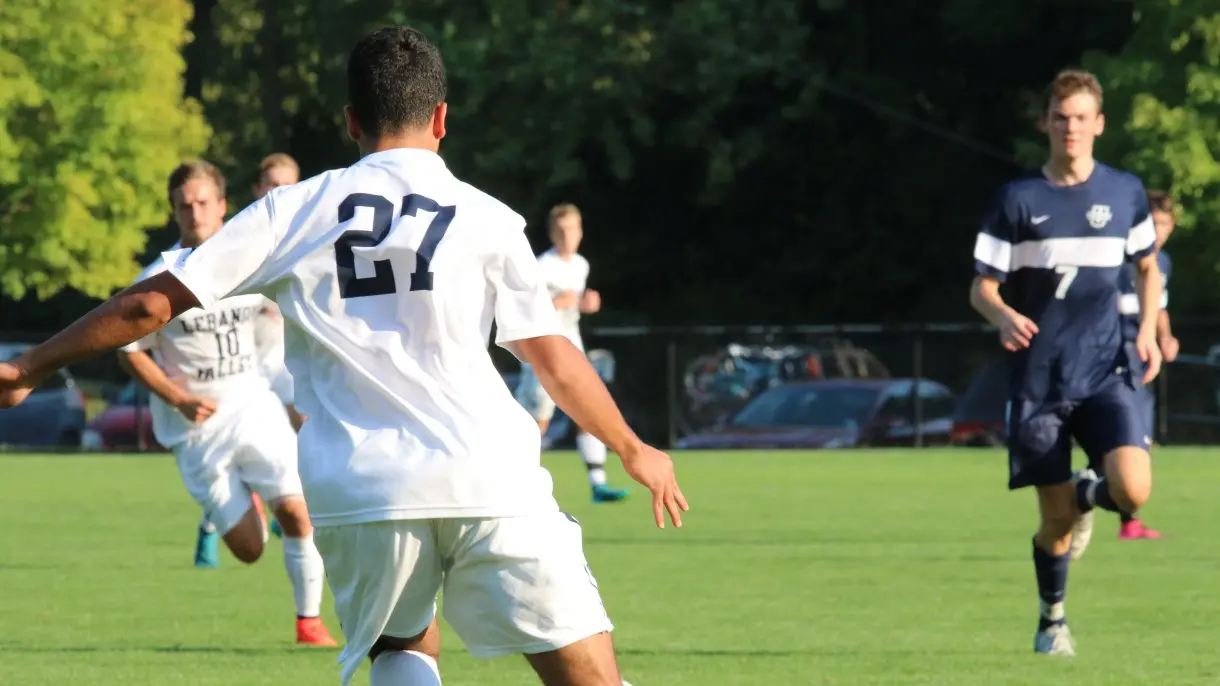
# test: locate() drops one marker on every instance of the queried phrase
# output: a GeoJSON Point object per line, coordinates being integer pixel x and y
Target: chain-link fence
{"type": "Point", "coordinates": [925, 384]}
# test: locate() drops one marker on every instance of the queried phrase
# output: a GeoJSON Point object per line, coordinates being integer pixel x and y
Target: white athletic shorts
{"type": "Point", "coordinates": [512, 585]}
{"type": "Point", "coordinates": [532, 396]}
{"type": "Point", "coordinates": [254, 450]}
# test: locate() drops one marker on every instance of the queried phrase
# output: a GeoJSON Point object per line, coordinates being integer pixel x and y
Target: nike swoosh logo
{"type": "Point", "coordinates": [1039, 220]}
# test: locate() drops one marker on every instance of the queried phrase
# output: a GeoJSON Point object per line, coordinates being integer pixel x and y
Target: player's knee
{"type": "Point", "coordinates": [1056, 526]}
{"type": "Point", "coordinates": [1129, 477]}
{"type": "Point", "coordinates": [293, 516]}
{"type": "Point", "coordinates": [1130, 494]}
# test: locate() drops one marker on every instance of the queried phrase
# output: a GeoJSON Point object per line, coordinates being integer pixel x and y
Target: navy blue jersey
{"type": "Point", "coordinates": [1059, 249]}
{"type": "Point", "coordinates": [1129, 299]}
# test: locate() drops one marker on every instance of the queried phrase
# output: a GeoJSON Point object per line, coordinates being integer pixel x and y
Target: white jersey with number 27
{"type": "Point", "coordinates": [391, 273]}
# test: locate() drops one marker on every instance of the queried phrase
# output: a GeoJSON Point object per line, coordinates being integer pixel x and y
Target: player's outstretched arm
{"type": "Point", "coordinates": [1016, 330]}
{"type": "Point", "coordinates": [572, 382]}
{"type": "Point", "coordinates": [127, 316]}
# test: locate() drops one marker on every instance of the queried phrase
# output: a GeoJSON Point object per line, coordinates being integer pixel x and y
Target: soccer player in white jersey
{"type": "Point", "coordinates": [277, 169]}
{"type": "Point", "coordinates": [566, 273]}
{"type": "Point", "coordinates": [421, 470]}
{"type": "Point", "coordinates": [214, 409]}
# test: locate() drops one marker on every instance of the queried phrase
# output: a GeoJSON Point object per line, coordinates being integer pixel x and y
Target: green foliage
{"type": "Point", "coordinates": [1163, 111]}
{"type": "Point", "coordinates": [92, 120]}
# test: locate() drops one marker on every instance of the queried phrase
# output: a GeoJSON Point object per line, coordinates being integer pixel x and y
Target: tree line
{"type": "Point", "coordinates": [736, 161]}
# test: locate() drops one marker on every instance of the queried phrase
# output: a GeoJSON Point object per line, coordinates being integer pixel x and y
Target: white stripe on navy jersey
{"type": "Point", "coordinates": [1088, 251]}
{"type": "Point", "coordinates": [1142, 236]}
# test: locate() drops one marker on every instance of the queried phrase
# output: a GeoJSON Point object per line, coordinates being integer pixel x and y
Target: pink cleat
{"type": "Point", "coordinates": [1135, 530]}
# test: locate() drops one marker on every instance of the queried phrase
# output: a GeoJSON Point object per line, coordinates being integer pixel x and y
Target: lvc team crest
{"type": "Point", "coordinates": [1098, 216]}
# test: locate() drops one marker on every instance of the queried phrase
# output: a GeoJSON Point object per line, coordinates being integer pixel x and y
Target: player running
{"type": "Point", "coordinates": [277, 169]}
{"type": "Point", "coordinates": [216, 412]}
{"type": "Point", "coordinates": [1161, 206]}
{"type": "Point", "coordinates": [565, 273]}
{"type": "Point", "coordinates": [1058, 237]}
{"type": "Point", "coordinates": [420, 469]}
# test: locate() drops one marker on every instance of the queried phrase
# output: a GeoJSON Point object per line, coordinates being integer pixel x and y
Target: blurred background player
{"type": "Point", "coordinates": [1058, 237]}
{"type": "Point", "coordinates": [566, 274]}
{"type": "Point", "coordinates": [214, 409]}
{"type": "Point", "coordinates": [277, 169]}
{"type": "Point", "coordinates": [1163, 219]}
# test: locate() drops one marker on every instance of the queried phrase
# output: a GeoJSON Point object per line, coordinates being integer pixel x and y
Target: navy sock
{"type": "Point", "coordinates": [1126, 517]}
{"type": "Point", "coordinates": [1092, 493]}
{"type": "Point", "coordinates": [1052, 574]}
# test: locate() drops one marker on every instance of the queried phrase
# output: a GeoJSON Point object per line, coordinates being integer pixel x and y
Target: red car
{"type": "Point", "coordinates": [125, 425]}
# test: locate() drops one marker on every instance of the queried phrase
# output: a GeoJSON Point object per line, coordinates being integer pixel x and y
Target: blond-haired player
{"type": "Point", "coordinates": [566, 274]}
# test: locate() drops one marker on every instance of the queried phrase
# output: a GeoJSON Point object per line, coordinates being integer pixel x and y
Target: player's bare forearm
{"type": "Point", "coordinates": [572, 382]}
{"type": "Point", "coordinates": [1163, 329]}
{"type": "Point", "coordinates": [127, 316]}
{"type": "Point", "coordinates": [141, 367]}
{"type": "Point", "coordinates": [986, 300]}
{"type": "Point", "coordinates": [1149, 284]}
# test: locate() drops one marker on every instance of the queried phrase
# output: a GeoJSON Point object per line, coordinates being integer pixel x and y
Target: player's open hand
{"type": "Point", "coordinates": [654, 470]}
{"type": "Point", "coordinates": [15, 385]}
{"type": "Point", "coordinates": [1150, 355]}
{"type": "Point", "coordinates": [1017, 331]}
{"type": "Point", "coordinates": [196, 409]}
{"type": "Point", "coordinates": [590, 301]}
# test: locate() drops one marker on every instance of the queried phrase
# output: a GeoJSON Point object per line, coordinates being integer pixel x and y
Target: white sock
{"type": "Point", "coordinates": [304, 566]}
{"type": "Point", "coordinates": [593, 452]}
{"type": "Point", "coordinates": [404, 668]}
{"type": "Point", "coordinates": [206, 525]}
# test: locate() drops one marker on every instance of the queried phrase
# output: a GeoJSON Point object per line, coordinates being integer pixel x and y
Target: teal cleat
{"type": "Point", "coordinates": [604, 494]}
{"type": "Point", "coordinates": [275, 528]}
{"type": "Point", "coordinates": [207, 549]}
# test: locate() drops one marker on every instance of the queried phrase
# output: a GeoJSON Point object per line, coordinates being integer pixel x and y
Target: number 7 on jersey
{"type": "Point", "coordinates": [382, 281]}
{"type": "Point", "coordinates": [1067, 274]}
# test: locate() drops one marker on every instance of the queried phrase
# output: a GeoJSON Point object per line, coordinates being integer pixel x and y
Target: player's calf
{"type": "Point", "coordinates": [246, 539]}
{"type": "Point", "coordinates": [1051, 557]}
{"type": "Point", "coordinates": [304, 567]}
{"type": "Point", "coordinates": [587, 662]}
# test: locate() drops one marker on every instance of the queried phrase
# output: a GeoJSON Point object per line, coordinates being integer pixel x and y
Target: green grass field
{"type": "Point", "coordinates": [844, 568]}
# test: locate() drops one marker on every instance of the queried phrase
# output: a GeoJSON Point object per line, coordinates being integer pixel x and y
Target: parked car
{"type": "Point", "coordinates": [52, 415]}
{"type": "Point", "coordinates": [126, 424]}
{"type": "Point", "coordinates": [721, 382]}
{"type": "Point", "coordinates": [979, 418]}
{"type": "Point", "coordinates": [843, 413]}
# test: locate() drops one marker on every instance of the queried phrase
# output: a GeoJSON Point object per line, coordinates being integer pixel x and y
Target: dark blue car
{"type": "Point", "coordinates": [52, 415]}
{"type": "Point", "coordinates": [841, 413]}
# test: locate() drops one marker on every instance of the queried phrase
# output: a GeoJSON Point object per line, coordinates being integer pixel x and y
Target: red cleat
{"type": "Point", "coordinates": [311, 631]}
{"type": "Point", "coordinates": [1135, 530]}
